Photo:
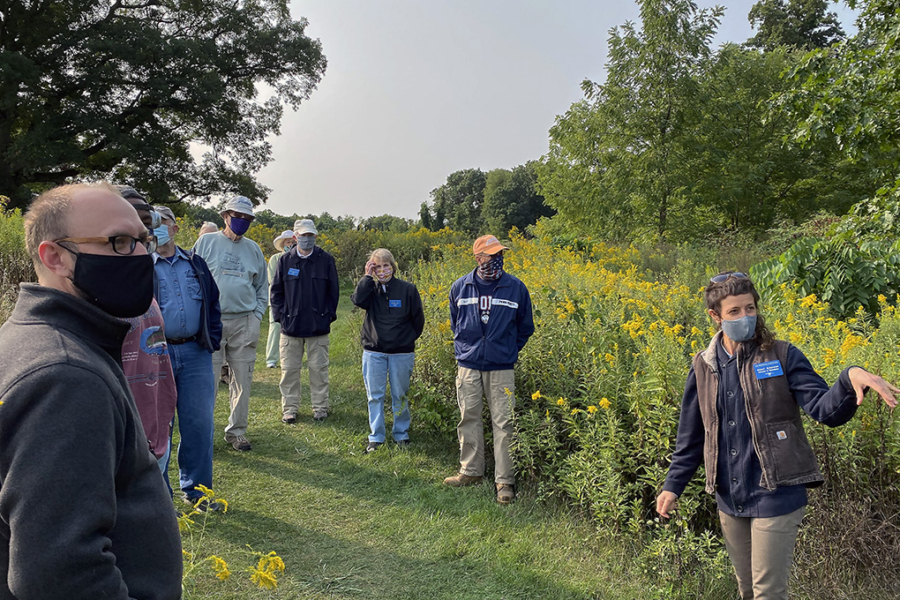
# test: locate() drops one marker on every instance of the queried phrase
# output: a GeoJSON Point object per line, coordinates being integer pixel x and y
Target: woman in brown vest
{"type": "Point", "coordinates": [740, 417]}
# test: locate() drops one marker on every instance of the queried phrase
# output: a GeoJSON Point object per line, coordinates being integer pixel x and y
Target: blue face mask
{"type": "Point", "coordinates": [740, 330]}
{"type": "Point", "coordinates": [239, 226]}
{"type": "Point", "coordinates": [162, 235]}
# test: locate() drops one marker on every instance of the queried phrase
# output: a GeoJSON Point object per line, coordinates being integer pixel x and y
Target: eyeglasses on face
{"type": "Point", "coordinates": [121, 244]}
{"type": "Point", "coordinates": [723, 277]}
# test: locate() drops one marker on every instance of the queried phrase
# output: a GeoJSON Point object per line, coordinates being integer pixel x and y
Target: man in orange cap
{"type": "Point", "coordinates": [490, 314]}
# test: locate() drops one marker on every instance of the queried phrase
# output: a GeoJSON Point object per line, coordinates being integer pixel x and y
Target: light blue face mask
{"type": "Point", "coordinates": [162, 235]}
{"type": "Point", "coordinates": [740, 330]}
{"type": "Point", "coordinates": [306, 242]}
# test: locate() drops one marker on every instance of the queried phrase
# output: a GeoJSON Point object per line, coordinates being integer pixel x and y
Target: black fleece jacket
{"type": "Point", "coordinates": [84, 512]}
{"type": "Point", "coordinates": [394, 318]}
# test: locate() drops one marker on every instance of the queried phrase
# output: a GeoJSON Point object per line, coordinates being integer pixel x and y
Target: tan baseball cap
{"type": "Point", "coordinates": [488, 244]}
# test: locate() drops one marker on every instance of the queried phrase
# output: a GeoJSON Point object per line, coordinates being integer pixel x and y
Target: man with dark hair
{"type": "Point", "coordinates": [146, 361]}
{"type": "Point", "coordinates": [84, 513]}
{"type": "Point", "coordinates": [189, 299]}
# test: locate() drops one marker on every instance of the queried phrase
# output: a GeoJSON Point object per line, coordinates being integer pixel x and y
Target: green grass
{"type": "Point", "coordinates": [351, 525]}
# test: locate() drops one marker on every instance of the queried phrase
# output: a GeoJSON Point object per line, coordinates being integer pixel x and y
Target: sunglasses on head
{"type": "Point", "coordinates": [723, 277]}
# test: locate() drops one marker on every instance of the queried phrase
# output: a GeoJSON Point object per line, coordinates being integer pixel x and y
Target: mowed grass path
{"type": "Point", "coordinates": [351, 525]}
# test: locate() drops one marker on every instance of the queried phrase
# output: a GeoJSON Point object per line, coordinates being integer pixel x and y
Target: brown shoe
{"type": "Point", "coordinates": [461, 480]}
{"type": "Point", "coordinates": [505, 493]}
{"type": "Point", "coordinates": [238, 442]}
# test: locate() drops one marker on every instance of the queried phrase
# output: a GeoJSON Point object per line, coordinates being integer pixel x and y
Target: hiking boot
{"type": "Point", "coordinates": [461, 480]}
{"type": "Point", "coordinates": [372, 447]}
{"type": "Point", "coordinates": [289, 419]}
{"type": "Point", "coordinates": [403, 444]}
{"type": "Point", "coordinates": [271, 365]}
{"type": "Point", "coordinates": [238, 442]}
{"type": "Point", "coordinates": [320, 415]}
{"type": "Point", "coordinates": [202, 504]}
{"type": "Point", "coordinates": [505, 493]}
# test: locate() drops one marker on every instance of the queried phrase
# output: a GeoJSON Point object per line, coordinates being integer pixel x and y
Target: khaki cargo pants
{"type": "Point", "coordinates": [499, 389]}
{"type": "Point", "coordinates": [238, 351]}
{"type": "Point", "coordinates": [291, 349]}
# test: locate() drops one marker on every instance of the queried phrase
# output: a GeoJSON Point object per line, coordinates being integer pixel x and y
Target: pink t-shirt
{"type": "Point", "coordinates": [145, 361]}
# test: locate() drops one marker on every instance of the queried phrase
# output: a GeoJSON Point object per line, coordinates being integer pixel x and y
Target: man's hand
{"type": "Point", "coordinates": [861, 379]}
{"type": "Point", "coordinates": [665, 502]}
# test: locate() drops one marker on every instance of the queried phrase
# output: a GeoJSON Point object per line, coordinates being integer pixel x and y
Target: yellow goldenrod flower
{"type": "Point", "coordinates": [592, 409]}
{"type": "Point", "coordinates": [561, 402]}
{"type": "Point", "coordinates": [264, 579]}
{"type": "Point", "coordinates": [604, 403]}
{"type": "Point", "coordinates": [536, 395]}
{"type": "Point", "coordinates": [220, 567]}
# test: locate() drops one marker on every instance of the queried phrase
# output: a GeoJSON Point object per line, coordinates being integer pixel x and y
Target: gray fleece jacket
{"type": "Point", "coordinates": [84, 512]}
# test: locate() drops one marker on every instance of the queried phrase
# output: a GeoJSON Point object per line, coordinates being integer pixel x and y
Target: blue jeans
{"type": "Point", "coordinates": [196, 385]}
{"type": "Point", "coordinates": [377, 369]}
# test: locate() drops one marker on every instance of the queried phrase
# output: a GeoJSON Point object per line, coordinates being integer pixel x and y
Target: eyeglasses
{"type": "Point", "coordinates": [121, 244]}
{"type": "Point", "coordinates": [723, 277]}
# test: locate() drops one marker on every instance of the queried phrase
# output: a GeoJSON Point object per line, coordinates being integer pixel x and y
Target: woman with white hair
{"type": "Point", "coordinates": [394, 321]}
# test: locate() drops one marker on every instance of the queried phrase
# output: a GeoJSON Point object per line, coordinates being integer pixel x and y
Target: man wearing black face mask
{"type": "Point", "coordinates": [81, 496]}
{"type": "Point", "coordinates": [239, 268]}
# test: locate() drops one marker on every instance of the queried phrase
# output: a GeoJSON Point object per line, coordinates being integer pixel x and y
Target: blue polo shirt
{"type": "Point", "coordinates": [179, 295]}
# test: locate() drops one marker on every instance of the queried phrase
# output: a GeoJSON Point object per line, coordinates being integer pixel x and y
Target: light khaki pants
{"type": "Point", "coordinates": [238, 350]}
{"type": "Point", "coordinates": [499, 388]}
{"type": "Point", "coordinates": [762, 551]}
{"type": "Point", "coordinates": [291, 349]}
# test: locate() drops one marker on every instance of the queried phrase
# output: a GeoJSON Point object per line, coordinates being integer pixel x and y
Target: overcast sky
{"type": "Point", "coordinates": [415, 90]}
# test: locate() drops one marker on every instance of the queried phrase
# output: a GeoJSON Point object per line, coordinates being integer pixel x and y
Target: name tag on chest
{"type": "Point", "coordinates": [768, 369]}
{"type": "Point", "coordinates": [394, 303]}
{"type": "Point", "coordinates": [294, 272]}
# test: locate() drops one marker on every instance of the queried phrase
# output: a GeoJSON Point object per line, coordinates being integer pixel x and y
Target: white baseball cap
{"type": "Point", "coordinates": [240, 204]}
{"type": "Point", "coordinates": [302, 226]}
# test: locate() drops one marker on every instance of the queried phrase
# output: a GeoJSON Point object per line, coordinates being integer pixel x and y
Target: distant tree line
{"type": "Point", "coordinates": [473, 202]}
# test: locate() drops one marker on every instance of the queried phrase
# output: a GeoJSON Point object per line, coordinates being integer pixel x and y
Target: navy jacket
{"type": "Point", "coordinates": [210, 335]}
{"type": "Point", "coordinates": [304, 294]}
{"type": "Point", "coordinates": [508, 329]}
{"type": "Point", "coordinates": [394, 319]}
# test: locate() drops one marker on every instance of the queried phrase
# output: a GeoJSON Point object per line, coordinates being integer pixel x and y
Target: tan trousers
{"type": "Point", "coordinates": [291, 349]}
{"type": "Point", "coordinates": [762, 551]}
{"type": "Point", "coordinates": [238, 350]}
{"type": "Point", "coordinates": [499, 388]}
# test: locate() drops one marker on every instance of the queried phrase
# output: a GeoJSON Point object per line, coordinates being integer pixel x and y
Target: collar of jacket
{"type": "Point", "coordinates": [316, 251]}
{"type": "Point", "coordinates": [469, 279]}
{"type": "Point", "coordinates": [41, 305]}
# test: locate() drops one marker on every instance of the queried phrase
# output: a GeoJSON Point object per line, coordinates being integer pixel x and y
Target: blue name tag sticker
{"type": "Point", "coordinates": [293, 272]}
{"type": "Point", "coordinates": [768, 369]}
{"type": "Point", "coordinates": [394, 303]}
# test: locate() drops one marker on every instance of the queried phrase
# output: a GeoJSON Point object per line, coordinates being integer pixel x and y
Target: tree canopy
{"type": "Point", "coordinates": [128, 89]}
{"type": "Point", "coordinates": [800, 24]}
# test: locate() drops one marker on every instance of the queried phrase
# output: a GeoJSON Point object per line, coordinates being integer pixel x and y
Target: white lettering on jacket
{"type": "Point", "coordinates": [466, 301]}
{"type": "Point", "coordinates": [506, 303]}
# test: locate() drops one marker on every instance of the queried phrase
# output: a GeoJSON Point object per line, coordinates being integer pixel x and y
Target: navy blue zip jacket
{"type": "Point", "coordinates": [497, 347]}
{"type": "Point", "coordinates": [304, 294]}
{"type": "Point", "coordinates": [210, 335]}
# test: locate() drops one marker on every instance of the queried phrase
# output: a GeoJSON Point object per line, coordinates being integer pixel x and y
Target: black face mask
{"type": "Point", "coordinates": [121, 286]}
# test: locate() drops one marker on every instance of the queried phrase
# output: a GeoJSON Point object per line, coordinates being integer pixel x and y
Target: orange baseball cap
{"type": "Point", "coordinates": [488, 244]}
